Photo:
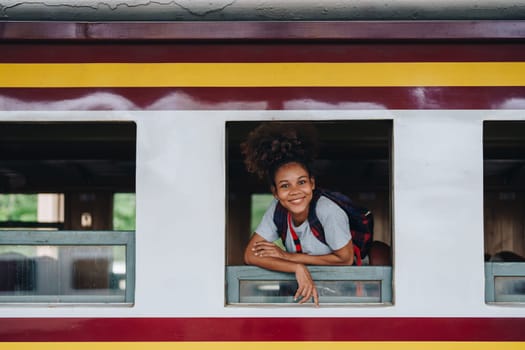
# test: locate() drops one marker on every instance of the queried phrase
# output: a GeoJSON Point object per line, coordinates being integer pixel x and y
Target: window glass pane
{"type": "Point", "coordinates": [329, 291]}
{"type": "Point", "coordinates": [63, 273]}
{"type": "Point", "coordinates": [509, 289]}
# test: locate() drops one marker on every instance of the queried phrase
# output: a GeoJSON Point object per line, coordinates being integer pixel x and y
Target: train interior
{"type": "Point", "coordinates": [71, 177]}
{"type": "Point", "coordinates": [504, 197]}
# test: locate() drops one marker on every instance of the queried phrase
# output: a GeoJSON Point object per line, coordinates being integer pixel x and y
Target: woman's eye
{"type": "Point", "coordinates": [284, 186]}
{"type": "Point", "coordinates": [302, 182]}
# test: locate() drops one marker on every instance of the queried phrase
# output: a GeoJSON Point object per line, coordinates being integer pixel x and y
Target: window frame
{"type": "Point", "coordinates": [383, 274]}
{"type": "Point", "coordinates": [494, 270]}
{"type": "Point", "coordinates": [74, 238]}
{"type": "Point", "coordinates": [235, 274]}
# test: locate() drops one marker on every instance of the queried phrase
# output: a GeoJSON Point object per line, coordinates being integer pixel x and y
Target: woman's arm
{"type": "Point", "coordinates": [342, 256]}
{"type": "Point", "coordinates": [306, 285]}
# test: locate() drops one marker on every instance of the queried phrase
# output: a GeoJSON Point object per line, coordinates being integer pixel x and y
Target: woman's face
{"type": "Point", "coordinates": [294, 190]}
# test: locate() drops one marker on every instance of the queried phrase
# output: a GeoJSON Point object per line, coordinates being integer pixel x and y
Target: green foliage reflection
{"type": "Point", "coordinates": [124, 212]}
{"type": "Point", "coordinates": [18, 207]}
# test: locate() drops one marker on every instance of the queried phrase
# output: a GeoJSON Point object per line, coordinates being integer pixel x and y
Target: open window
{"type": "Point", "coordinates": [67, 226]}
{"type": "Point", "coordinates": [504, 206]}
{"type": "Point", "coordinates": [355, 159]}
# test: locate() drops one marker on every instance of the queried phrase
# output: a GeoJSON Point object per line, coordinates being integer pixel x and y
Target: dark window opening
{"type": "Point", "coordinates": [72, 186]}
{"type": "Point", "coordinates": [355, 159]}
{"type": "Point", "coordinates": [504, 205]}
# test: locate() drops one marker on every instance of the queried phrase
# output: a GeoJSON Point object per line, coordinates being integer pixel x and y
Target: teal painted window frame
{"type": "Point", "coordinates": [75, 238]}
{"type": "Point", "coordinates": [502, 269]}
{"type": "Point", "coordinates": [383, 274]}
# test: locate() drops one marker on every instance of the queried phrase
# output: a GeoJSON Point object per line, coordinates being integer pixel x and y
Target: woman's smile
{"type": "Point", "coordinates": [297, 201]}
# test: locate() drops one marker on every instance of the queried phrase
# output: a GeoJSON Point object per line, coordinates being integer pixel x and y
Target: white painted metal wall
{"type": "Point", "coordinates": [437, 185]}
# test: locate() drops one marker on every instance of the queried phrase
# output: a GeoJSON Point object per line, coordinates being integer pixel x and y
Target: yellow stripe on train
{"type": "Point", "coordinates": [399, 74]}
{"type": "Point", "coordinates": [264, 345]}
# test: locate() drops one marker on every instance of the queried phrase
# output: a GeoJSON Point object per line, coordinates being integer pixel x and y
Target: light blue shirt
{"type": "Point", "coordinates": [332, 217]}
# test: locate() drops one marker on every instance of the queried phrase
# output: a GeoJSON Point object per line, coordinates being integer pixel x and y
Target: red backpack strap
{"type": "Point", "coordinates": [296, 241]}
{"type": "Point", "coordinates": [282, 220]}
{"type": "Point", "coordinates": [357, 255]}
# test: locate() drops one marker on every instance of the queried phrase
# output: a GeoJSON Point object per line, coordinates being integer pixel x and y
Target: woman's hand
{"type": "Point", "coordinates": [307, 289]}
{"type": "Point", "coordinates": [263, 249]}
{"type": "Point", "coordinates": [269, 256]}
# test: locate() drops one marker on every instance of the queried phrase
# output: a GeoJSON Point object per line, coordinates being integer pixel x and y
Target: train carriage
{"type": "Point", "coordinates": [422, 122]}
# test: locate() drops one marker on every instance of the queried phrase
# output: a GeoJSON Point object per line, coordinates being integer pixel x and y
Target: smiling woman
{"type": "Point", "coordinates": [282, 153]}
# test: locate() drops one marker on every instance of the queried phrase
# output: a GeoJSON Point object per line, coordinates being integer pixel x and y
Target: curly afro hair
{"type": "Point", "coordinates": [273, 144]}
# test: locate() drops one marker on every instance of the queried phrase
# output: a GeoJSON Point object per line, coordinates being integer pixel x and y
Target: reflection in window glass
{"type": "Point", "coordinates": [63, 273]}
{"type": "Point", "coordinates": [509, 289]}
{"type": "Point", "coordinates": [329, 291]}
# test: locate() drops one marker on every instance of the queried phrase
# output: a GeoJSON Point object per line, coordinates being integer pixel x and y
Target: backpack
{"type": "Point", "coordinates": [360, 219]}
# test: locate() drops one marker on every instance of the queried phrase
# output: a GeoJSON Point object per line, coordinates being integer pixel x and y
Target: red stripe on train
{"type": "Point", "coordinates": [79, 52]}
{"type": "Point", "coordinates": [295, 98]}
{"type": "Point", "coordinates": [261, 329]}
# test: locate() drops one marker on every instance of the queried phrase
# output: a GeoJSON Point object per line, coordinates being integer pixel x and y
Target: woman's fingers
{"type": "Point", "coordinates": [263, 244]}
{"type": "Point", "coordinates": [263, 249]}
{"type": "Point", "coordinates": [316, 297]}
{"type": "Point", "coordinates": [306, 287]}
{"type": "Point", "coordinates": [305, 293]}
{"type": "Point", "coordinates": [299, 294]}
{"type": "Point", "coordinates": [306, 296]}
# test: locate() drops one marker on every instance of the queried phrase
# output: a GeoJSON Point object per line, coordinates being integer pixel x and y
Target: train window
{"type": "Point", "coordinates": [67, 233]}
{"type": "Point", "coordinates": [504, 204]}
{"type": "Point", "coordinates": [354, 159]}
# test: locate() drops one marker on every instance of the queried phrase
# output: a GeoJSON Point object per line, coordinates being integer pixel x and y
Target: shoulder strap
{"type": "Point", "coordinates": [280, 219]}
{"type": "Point", "coordinates": [313, 220]}
{"type": "Point", "coordinates": [296, 241]}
